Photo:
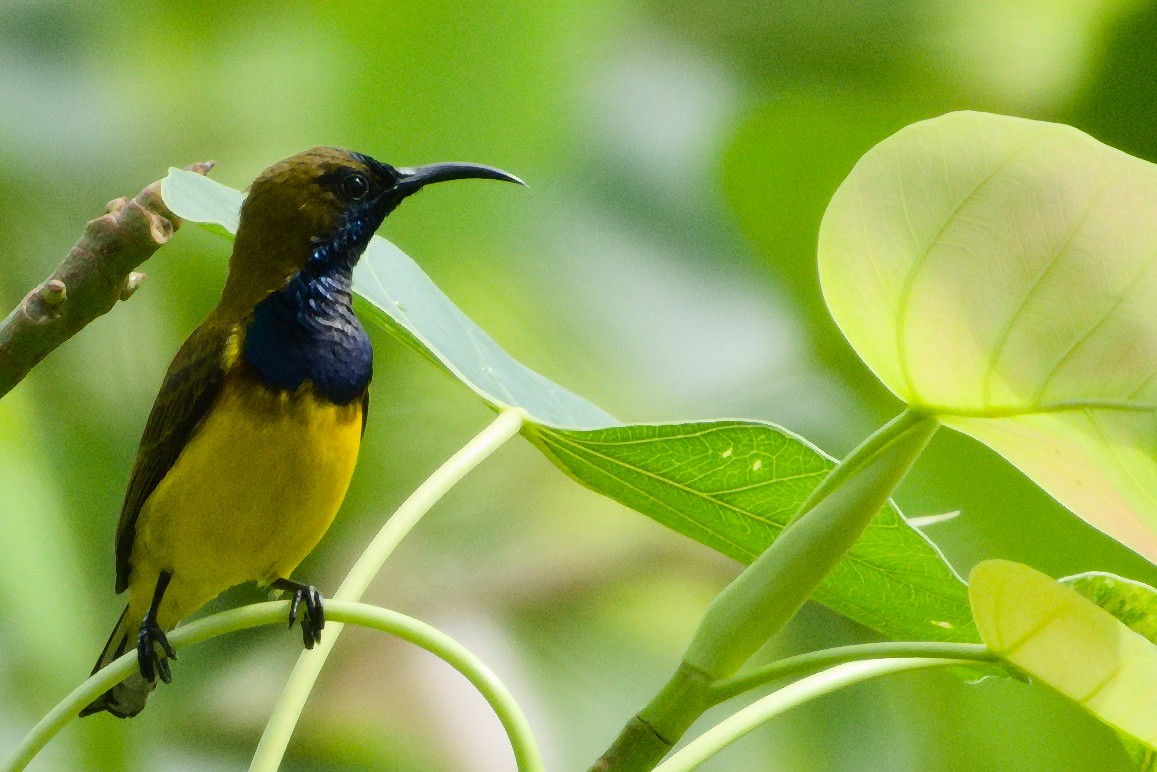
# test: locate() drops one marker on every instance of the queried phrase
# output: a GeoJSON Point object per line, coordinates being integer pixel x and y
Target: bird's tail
{"type": "Point", "coordinates": [127, 698]}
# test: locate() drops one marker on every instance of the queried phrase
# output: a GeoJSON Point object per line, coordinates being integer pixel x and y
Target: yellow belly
{"type": "Point", "coordinates": [248, 498]}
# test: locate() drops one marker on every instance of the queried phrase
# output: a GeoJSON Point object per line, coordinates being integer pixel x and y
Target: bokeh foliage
{"type": "Point", "coordinates": [680, 156]}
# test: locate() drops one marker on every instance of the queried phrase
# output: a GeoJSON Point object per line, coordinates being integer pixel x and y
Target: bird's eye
{"type": "Point", "coordinates": [355, 187]}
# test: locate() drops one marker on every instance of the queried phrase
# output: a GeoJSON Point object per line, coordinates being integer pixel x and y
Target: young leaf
{"type": "Point", "coordinates": [733, 485]}
{"type": "Point", "coordinates": [1135, 604]}
{"type": "Point", "coordinates": [1132, 602]}
{"type": "Point", "coordinates": [1057, 636]}
{"type": "Point", "coordinates": [894, 581]}
{"type": "Point", "coordinates": [1000, 273]}
{"type": "Point", "coordinates": [215, 207]}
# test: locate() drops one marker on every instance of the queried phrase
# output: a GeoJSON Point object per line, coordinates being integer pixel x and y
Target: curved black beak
{"type": "Point", "coordinates": [412, 179]}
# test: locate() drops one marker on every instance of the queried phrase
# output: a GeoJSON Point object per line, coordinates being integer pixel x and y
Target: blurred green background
{"type": "Point", "coordinates": [662, 264]}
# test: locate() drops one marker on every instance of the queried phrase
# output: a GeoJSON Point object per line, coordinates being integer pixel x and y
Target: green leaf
{"type": "Point", "coordinates": [894, 581]}
{"type": "Point", "coordinates": [733, 485]}
{"type": "Point", "coordinates": [999, 273]}
{"type": "Point", "coordinates": [411, 307]}
{"type": "Point", "coordinates": [1135, 604]}
{"type": "Point", "coordinates": [1062, 639]}
{"type": "Point", "coordinates": [208, 203]}
{"type": "Point", "coordinates": [1132, 602]}
{"type": "Point", "coordinates": [1144, 757]}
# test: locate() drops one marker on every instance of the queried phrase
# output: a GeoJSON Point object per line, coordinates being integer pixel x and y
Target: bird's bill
{"type": "Point", "coordinates": [411, 179]}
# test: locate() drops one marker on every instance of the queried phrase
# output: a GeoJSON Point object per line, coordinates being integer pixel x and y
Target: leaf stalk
{"type": "Point", "coordinates": [762, 599]}
{"type": "Point", "coordinates": [803, 690]}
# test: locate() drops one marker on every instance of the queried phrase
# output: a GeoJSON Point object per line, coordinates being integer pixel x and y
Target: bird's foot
{"type": "Point", "coordinates": [313, 620]}
{"type": "Point", "coordinates": [149, 660]}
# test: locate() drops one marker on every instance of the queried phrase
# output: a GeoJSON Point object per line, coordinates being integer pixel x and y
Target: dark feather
{"type": "Point", "coordinates": [365, 410]}
{"type": "Point", "coordinates": [191, 385]}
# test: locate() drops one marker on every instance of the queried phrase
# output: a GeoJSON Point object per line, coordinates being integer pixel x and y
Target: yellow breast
{"type": "Point", "coordinates": [250, 495]}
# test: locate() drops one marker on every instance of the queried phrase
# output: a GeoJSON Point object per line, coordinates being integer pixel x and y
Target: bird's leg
{"type": "Point", "coordinates": [151, 663]}
{"type": "Point", "coordinates": [314, 619]}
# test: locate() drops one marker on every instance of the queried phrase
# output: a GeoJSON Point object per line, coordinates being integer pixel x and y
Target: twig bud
{"type": "Point", "coordinates": [132, 284]}
{"type": "Point", "coordinates": [53, 292]}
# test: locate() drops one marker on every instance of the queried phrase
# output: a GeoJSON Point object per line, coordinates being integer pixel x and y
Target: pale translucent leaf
{"type": "Point", "coordinates": [1065, 641]}
{"type": "Point", "coordinates": [1000, 273]}
{"type": "Point", "coordinates": [1135, 604]}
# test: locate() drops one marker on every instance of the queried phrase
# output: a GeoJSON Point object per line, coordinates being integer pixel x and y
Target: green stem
{"type": "Point", "coordinates": [742, 722]}
{"type": "Point", "coordinates": [860, 455]}
{"type": "Point", "coordinates": [287, 712]}
{"type": "Point", "coordinates": [273, 613]}
{"type": "Point", "coordinates": [817, 660]}
{"type": "Point", "coordinates": [761, 600]}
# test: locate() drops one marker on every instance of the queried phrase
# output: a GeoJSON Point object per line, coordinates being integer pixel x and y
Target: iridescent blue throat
{"type": "Point", "coordinates": [308, 331]}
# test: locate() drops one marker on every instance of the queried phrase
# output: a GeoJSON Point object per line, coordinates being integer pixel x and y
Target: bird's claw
{"type": "Point", "coordinates": [150, 662]}
{"type": "Point", "coordinates": [313, 620]}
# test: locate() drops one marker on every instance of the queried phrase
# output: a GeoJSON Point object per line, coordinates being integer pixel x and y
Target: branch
{"type": "Point", "coordinates": [98, 271]}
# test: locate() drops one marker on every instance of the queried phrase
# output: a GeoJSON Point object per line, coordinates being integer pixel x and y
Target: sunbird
{"type": "Point", "coordinates": [252, 439]}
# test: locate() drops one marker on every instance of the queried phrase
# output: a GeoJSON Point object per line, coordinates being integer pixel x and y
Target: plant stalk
{"type": "Point", "coordinates": [287, 711]}
{"type": "Point", "coordinates": [768, 593]}
{"type": "Point", "coordinates": [761, 600]}
{"type": "Point", "coordinates": [804, 690]}
{"type": "Point", "coordinates": [274, 613]}
{"type": "Point", "coordinates": [817, 660]}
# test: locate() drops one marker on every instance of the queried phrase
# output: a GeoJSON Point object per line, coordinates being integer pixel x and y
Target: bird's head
{"type": "Point", "coordinates": [323, 204]}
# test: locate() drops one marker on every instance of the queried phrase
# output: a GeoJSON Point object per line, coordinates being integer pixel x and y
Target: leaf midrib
{"type": "Point", "coordinates": [904, 300]}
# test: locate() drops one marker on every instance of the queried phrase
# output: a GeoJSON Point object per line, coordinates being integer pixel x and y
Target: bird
{"type": "Point", "coordinates": [253, 437]}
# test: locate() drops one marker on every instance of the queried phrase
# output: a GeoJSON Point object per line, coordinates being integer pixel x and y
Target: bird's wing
{"type": "Point", "coordinates": [191, 385]}
{"type": "Point", "coordinates": [365, 410]}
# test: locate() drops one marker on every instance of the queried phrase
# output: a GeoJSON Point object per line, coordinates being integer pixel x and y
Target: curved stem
{"type": "Point", "coordinates": [816, 660]}
{"type": "Point", "coordinates": [273, 612]}
{"type": "Point", "coordinates": [761, 600]}
{"type": "Point", "coordinates": [769, 592]}
{"type": "Point", "coordinates": [287, 711]}
{"type": "Point", "coordinates": [861, 455]}
{"type": "Point", "coordinates": [719, 736]}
